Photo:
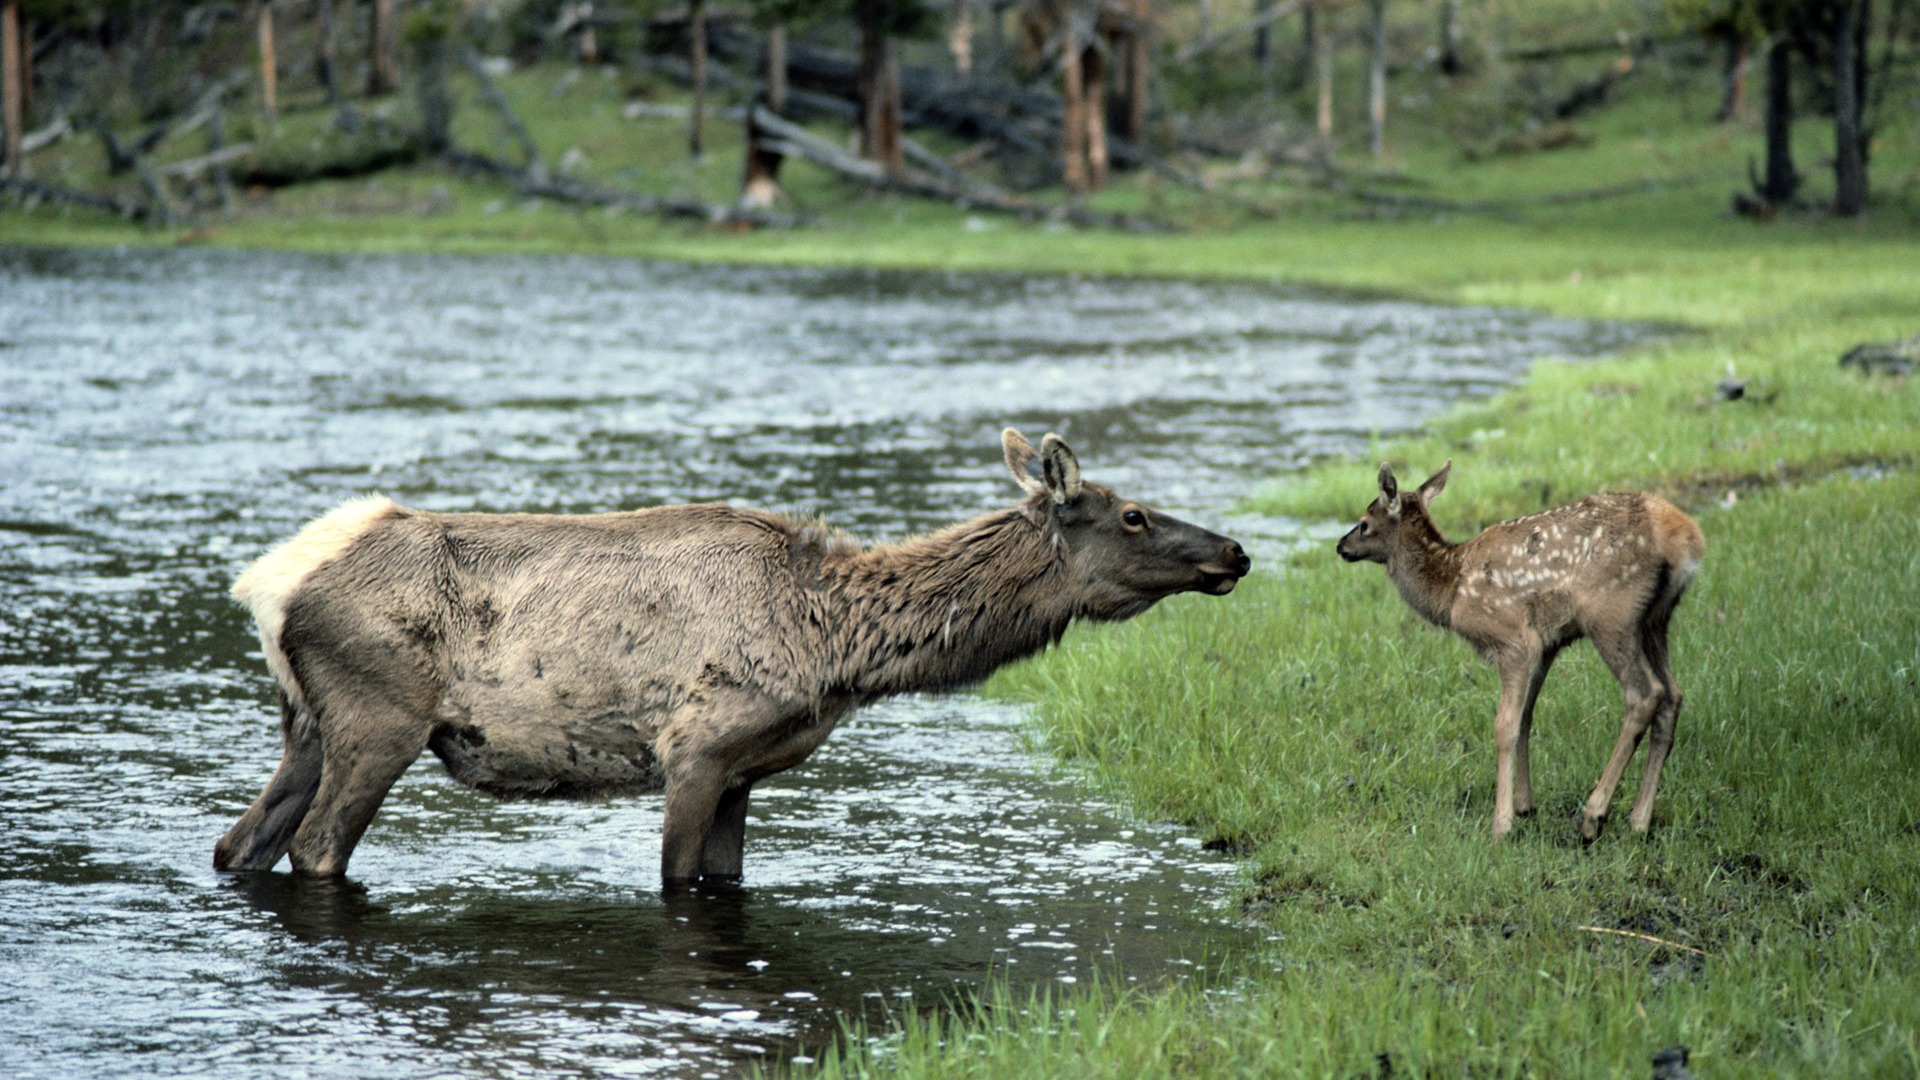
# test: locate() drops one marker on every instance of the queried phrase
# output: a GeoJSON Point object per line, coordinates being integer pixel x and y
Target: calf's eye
{"type": "Point", "coordinates": [1134, 519]}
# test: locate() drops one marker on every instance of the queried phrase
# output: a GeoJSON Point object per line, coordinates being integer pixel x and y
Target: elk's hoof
{"type": "Point", "coordinates": [1590, 827]}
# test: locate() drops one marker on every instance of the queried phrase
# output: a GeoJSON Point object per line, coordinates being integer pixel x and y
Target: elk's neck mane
{"type": "Point", "coordinates": [1426, 567]}
{"type": "Point", "coordinates": [944, 610]}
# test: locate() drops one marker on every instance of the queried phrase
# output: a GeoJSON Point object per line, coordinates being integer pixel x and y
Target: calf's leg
{"type": "Point", "coordinates": [1642, 695]}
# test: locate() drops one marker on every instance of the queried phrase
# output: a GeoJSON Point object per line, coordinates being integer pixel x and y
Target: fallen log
{"type": "Point", "coordinates": [194, 166]}
{"type": "Point", "coordinates": [580, 193]}
{"type": "Point", "coordinates": [781, 136]}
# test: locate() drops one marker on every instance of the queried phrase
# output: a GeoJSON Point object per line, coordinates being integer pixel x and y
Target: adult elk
{"type": "Point", "coordinates": [1609, 568]}
{"type": "Point", "coordinates": [693, 650]}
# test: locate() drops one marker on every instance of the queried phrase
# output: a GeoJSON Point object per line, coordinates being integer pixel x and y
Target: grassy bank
{"type": "Point", "coordinates": [1315, 725]}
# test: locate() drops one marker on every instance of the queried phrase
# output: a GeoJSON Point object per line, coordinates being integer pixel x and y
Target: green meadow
{"type": "Point", "coordinates": [1312, 724]}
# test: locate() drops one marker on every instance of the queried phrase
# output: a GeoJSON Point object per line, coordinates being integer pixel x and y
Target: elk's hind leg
{"type": "Point", "coordinates": [1642, 695]}
{"type": "Point", "coordinates": [1518, 668]}
{"type": "Point", "coordinates": [262, 834]}
{"type": "Point", "coordinates": [1664, 720]}
{"type": "Point", "coordinates": [368, 745]}
{"type": "Point", "coordinates": [1523, 804]}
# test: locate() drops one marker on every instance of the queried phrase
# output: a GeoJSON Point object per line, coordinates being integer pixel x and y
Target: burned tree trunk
{"type": "Point", "coordinates": [697, 35]}
{"type": "Point", "coordinates": [1849, 164]}
{"type": "Point", "coordinates": [1137, 46]}
{"type": "Point", "coordinates": [760, 179]}
{"type": "Point", "coordinates": [1781, 182]}
{"type": "Point", "coordinates": [326, 57]}
{"type": "Point", "coordinates": [879, 80]}
{"type": "Point", "coordinates": [12, 108]}
{"type": "Point", "coordinates": [1450, 60]}
{"type": "Point", "coordinates": [383, 74]}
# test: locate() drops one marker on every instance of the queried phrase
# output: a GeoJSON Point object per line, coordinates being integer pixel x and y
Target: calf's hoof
{"type": "Point", "coordinates": [1590, 827]}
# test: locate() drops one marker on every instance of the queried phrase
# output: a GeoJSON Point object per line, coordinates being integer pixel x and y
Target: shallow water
{"type": "Point", "coordinates": [166, 415]}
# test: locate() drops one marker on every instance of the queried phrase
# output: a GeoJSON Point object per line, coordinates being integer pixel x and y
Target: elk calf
{"type": "Point", "coordinates": [1609, 568]}
{"type": "Point", "coordinates": [687, 649]}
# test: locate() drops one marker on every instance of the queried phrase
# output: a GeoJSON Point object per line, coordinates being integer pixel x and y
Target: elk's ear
{"type": "Point", "coordinates": [1435, 484]}
{"type": "Point", "coordinates": [1388, 487]}
{"type": "Point", "coordinates": [1022, 461]}
{"type": "Point", "coordinates": [1063, 469]}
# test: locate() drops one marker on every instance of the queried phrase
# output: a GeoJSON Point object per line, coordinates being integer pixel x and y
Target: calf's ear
{"type": "Point", "coordinates": [1389, 489]}
{"type": "Point", "coordinates": [1435, 484]}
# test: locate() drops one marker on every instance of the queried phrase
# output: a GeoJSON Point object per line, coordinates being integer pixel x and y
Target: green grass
{"type": "Point", "coordinates": [1312, 722]}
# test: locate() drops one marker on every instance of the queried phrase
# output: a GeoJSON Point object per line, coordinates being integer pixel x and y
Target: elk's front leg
{"type": "Point", "coordinates": [693, 796]}
{"type": "Point", "coordinates": [722, 856]}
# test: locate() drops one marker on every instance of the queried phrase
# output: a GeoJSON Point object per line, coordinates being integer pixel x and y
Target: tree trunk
{"type": "Point", "coordinates": [1309, 43]}
{"type": "Point", "coordinates": [216, 142]}
{"type": "Point", "coordinates": [760, 176]}
{"type": "Point", "coordinates": [777, 68]}
{"type": "Point", "coordinates": [880, 120]}
{"type": "Point", "coordinates": [269, 67]}
{"type": "Point", "coordinates": [1733, 78]}
{"type": "Point", "coordinates": [326, 57]}
{"type": "Point", "coordinates": [697, 121]}
{"type": "Point", "coordinates": [1323, 67]}
{"type": "Point", "coordinates": [1377, 83]}
{"type": "Point", "coordinates": [436, 103]}
{"type": "Point", "coordinates": [383, 74]}
{"type": "Point", "coordinates": [1073, 126]}
{"type": "Point", "coordinates": [24, 29]}
{"type": "Point", "coordinates": [960, 36]}
{"type": "Point", "coordinates": [1781, 180]}
{"type": "Point", "coordinates": [1093, 68]}
{"type": "Point", "coordinates": [1139, 68]}
{"type": "Point", "coordinates": [1263, 47]}
{"type": "Point", "coordinates": [1450, 62]}
{"type": "Point", "coordinates": [12, 110]}
{"type": "Point", "coordinates": [1849, 170]}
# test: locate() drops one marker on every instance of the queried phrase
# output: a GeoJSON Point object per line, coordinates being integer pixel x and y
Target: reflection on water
{"type": "Point", "coordinates": [166, 415]}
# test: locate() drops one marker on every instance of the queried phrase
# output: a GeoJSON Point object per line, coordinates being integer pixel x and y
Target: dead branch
{"type": "Point", "coordinates": [1644, 937]}
{"type": "Point", "coordinates": [490, 93]}
{"type": "Point", "coordinates": [24, 188]}
{"type": "Point", "coordinates": [1280, 11]}
{"type": "Point", "coordinates": [34, 141]}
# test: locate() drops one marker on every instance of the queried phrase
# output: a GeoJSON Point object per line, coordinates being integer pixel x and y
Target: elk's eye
{"type": "Point", "coordinates": [1134, 519]}
{"type": "Point", "coordinates": [1365, 527]}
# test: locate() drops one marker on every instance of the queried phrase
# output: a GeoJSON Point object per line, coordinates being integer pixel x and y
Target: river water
{"type": "Point", "coordinates": [167, 415]}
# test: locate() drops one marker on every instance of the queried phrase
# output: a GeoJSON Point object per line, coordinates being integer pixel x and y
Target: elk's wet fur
{"type": "Point", "coordinates": [687, 649]}
{"type": "Point", "coordinates": [1610, 568]}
